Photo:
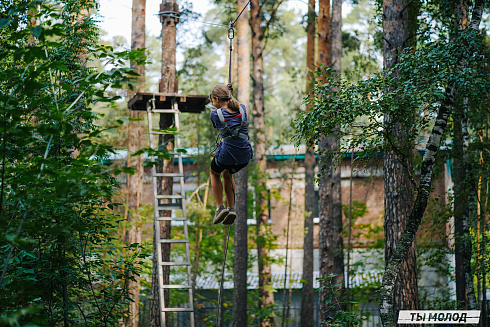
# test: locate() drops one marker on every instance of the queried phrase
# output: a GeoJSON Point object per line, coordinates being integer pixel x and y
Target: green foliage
{"type": "Point", "coordinates": [422, 76]}
{"type": "Point", "coordinates": [61, 261]}
{"type": "Point", "coordinates": [341, 316]}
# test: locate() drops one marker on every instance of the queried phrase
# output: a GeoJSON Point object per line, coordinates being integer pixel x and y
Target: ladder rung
{"type": "Point", "coordinates": [177, 309]}
{"type": "Point", "coordinates": [169, 197]}
{"type": "Point", "coordinates": [174, 241]}
{"type": "Point", "coordinates": [163, 133]}
{"type": "Point", "coordinates": [176, 286]}
{"type": "Point", "coordinates": [171, 206]}
{"type": "Point", "coordinates": [171, 219]}
{"type": "Point", "coordinates": [172, 263]}
{"type": "Point", "coordinates": [168, 175]}
{"type": "Point", "coordinates": [164, 111]}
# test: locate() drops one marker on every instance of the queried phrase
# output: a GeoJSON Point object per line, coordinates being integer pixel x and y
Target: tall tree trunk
{"type": "Point", "coordinates": [168, 84]}
{"type": "Point", "coordinates": [330, 206]}
{"type": "Point", "coordinates": [397, 168]}
{"type": "Point", "coordinates": [464, 181]}
{"type": "Point", "coordinates": [324, 192]}
{"type": "Point", "coordinates": [266, 296]}
{"type": "Point", "coordinates": [400, 253]}
{"type": "Point", "coordinates": [241, 178]}
{"type": "Point", "coordinates": [136, 135]}
{"type": "Point", "coordinates": [460, 198]}
{"type": "Point", "coordinates": [307, 299]}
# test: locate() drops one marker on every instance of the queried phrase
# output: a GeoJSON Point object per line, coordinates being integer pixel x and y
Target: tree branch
{"type": "Point", "coordinates": [273, 17]}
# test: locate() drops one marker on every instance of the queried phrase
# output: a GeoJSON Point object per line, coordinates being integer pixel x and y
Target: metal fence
{"type": "Point", "coordinates": [206, 316]}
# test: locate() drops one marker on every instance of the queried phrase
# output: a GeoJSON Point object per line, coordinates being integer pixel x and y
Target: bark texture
{"type": "Point", "coordinates": [135, 142]}
{"type": "Point", "coordinates": [464, 184]}
{"type": "Point", "coordinates": [307, 299]}
{"type": "Point", "coordinates": [402, 248]}
{"type": "Point", "coordinates": [330, 206]}
{"type": "Point", "coordinates": [398, 165]}
{"type": "Point", "coordinates": [324, 42]}
{"type": "Point", "coordinates": [241, 178]}
{"type": "Point", "coordinates": [460, 204]}
{"type": "Point", "coordinates": [168, 84]}
{"type": "Point", "coordinates": [266, 296]}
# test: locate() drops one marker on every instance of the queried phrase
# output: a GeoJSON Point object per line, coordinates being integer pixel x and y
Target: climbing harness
{"type": "Point", "coordinates": [234, 133]}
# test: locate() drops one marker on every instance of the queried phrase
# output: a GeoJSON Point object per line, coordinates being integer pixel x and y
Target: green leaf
{"type": "Point", "coordinates": [60, 66]}
{"type": "Point", "coordinates": [128, 170]}
{"type": "Point", "coordinates": [36, 31]}
{"type": "Point", "coordinates": [4, 22]}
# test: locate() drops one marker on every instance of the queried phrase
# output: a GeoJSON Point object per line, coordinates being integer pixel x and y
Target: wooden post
{"type": "Point", "coordinates": [241, 178]}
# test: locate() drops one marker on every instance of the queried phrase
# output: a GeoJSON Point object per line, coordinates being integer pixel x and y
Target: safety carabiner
{"type": "Point", "coordinates": [231, 33]}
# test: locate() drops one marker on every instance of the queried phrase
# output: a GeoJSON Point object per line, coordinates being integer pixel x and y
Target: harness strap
{"type": "Point", "coordinates": [235, 133]}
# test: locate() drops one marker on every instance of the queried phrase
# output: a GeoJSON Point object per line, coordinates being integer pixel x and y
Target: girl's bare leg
{"type": "Point", "coordinates": [229, 188]}
{"type": "Point", "coordinates": [217, 186]}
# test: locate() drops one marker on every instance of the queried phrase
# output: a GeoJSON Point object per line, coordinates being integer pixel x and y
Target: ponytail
{"type": "Point", "coordinates": [233, 104]}
{"type": "Point", "coordinates": [221, 92]}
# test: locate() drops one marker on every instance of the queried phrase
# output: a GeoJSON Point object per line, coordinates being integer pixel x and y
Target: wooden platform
{"type": "Point", "coordinates": [187, 103]}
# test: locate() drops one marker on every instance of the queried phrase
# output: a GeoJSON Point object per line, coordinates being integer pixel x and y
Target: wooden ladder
{"type": "Point", "coordinates": [175, 202]}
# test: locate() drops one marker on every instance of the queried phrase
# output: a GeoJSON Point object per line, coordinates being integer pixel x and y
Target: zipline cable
{"type": "Point", "coordinates": [241, 12]}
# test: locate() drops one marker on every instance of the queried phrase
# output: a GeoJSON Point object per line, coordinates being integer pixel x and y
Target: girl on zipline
{"type": "Point", "coordinates": [232, 153]}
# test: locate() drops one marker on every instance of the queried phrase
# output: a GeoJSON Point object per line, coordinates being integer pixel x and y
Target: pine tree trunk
{"type": "Point", "coordinates": [266, 296]}
{"type": "Point", "coordinates": [241, 178]}
{"type": "Point", "coordinates": [336, 226]}
{"type": "Point", "coordinates": [330, 205]}
{"type": "Point", "coordinates": [398, 169]}
{"type": "Point", "coordinates": [307, 299]}
{"type": "Point", "coordinates": [168, 84]}
{"type": "Point", "coordinates": [135, 142]}
{"type": "Point", "coordinates": [460, 198]}
{"type": "Point", "coordinates": [464, 183]}
{"type": "Point", "coordinates": [400, 253]}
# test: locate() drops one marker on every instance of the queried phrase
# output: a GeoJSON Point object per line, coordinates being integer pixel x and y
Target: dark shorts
{"type": "Point", "coordinates": [218, 168]}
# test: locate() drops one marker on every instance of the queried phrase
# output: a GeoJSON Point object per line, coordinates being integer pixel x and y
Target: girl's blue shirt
{"type": "Point", "coordinates": [236, 151]}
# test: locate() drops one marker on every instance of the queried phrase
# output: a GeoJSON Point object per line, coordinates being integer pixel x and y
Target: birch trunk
{"type": "Point", "coordinates": [408, 235]}
{"type": "Point", "coordinates": [135, 182]}
{"type": "Point", "coordinates": [307, 299]}
{"type": "Point", "coordinates": [241, 178]}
